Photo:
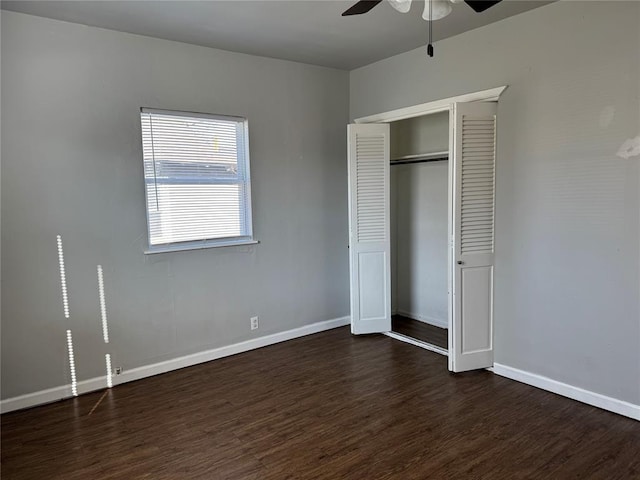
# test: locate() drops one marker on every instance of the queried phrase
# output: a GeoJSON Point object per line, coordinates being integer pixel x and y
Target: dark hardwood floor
{"type": "Point", "coordinates": [326, 406]}
{"type": "Point", "coordinates": [420, 331]}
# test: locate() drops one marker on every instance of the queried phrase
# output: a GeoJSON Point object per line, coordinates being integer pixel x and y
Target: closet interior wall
{"type": "Point", "coordinates": [419, 219]}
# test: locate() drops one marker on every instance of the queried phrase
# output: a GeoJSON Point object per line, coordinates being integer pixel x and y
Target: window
{"type": "Point", "coordinates": [196, 173]}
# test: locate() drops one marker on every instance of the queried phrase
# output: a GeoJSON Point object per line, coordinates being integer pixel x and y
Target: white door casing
{"type": "Point", "coordinates": [369, 228]}
{"type": "Point", "coordinates": [473, 155]}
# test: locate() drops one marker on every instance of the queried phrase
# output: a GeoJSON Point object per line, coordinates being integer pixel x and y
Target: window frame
{"type": "Point", "coordinates": [247, 239]}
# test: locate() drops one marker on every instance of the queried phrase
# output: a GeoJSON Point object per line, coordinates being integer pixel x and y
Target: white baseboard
{"type": "Point", "coordinates": [85, 386]}
{"type": "Point", "coordinates": [591, 398]}
{"type": "Point", "coordinates": [436, 322]}
{"type": "Point", "coordinates": [97, 383]}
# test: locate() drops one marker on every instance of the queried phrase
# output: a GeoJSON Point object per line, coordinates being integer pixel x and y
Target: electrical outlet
{"type": "Point", "coordinates": [254, 323]}
{"type": "Point", "coordinates": [118, 370]}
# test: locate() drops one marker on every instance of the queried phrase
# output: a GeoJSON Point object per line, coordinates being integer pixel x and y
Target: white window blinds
{"type": "Point", "coordinates": [196, 171]}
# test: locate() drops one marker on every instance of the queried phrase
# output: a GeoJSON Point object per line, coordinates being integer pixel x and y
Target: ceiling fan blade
{"type": "Point", "coordinates": [363, 6]}
{"type": "Point", "coordinates": [481, 5]}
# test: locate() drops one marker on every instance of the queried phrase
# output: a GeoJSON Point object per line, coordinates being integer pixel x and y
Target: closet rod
{"type": "Point", "coordinates": [422, 160]}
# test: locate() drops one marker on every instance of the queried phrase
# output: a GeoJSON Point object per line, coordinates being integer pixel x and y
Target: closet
{"type": "Point", "coordinates": [419, 184]}
{"type": "Point", "coordinates": [404, 208]}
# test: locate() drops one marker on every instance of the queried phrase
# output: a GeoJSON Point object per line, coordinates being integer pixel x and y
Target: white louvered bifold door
{"type": "Point", "coordinates": [369, 228]}
{"type": "Point", "coordinates": [474, 170]}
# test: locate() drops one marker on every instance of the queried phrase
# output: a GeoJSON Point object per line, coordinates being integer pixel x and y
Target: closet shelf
{"type": "Point", "coordinates": [421, 157]}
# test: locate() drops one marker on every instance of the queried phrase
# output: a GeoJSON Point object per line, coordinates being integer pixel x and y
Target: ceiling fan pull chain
{"type": "Point", "coordinates": [430, 46]}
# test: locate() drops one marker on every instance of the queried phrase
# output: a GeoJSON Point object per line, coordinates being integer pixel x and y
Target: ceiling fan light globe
{"type": "Point", "coordinates": [401, 6]}
{"type": "Point", "coordinates": [439, 9]}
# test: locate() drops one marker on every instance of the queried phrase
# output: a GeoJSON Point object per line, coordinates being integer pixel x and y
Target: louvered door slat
{"type": "Point", "coordinates": [370, 171]}
{"type": "Point", "coordinates": [478, 176]}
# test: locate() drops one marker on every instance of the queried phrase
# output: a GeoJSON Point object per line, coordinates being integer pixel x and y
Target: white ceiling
{"type": "Point", "coordinates": [308, 31]}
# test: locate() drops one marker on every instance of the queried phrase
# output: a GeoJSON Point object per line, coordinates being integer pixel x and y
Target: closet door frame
{"type": "Point", "coordinates": [438, 106]}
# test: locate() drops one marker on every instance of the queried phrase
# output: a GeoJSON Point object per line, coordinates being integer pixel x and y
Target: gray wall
{"type": "Point", "coordinates": [567, 289]}
{"type": "Point", "coordinates": [421, 240]}
{"type": "Point", "coordinates": [72, 165]}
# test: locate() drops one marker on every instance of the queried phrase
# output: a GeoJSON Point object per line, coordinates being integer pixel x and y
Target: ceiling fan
{"type": "Point", "coordinates": [433, 10]}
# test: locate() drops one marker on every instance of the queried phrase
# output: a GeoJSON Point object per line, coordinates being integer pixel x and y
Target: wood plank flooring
{"type": "Point", "coordinates": [420, 331]}
{"type": "Point", "coordinates": [326, 406]}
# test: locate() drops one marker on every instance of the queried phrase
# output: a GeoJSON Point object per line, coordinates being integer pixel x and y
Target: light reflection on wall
{"type": "Point", "coordinates": [107, 359]}
{"type": "Point", "coordinates": [105, 325]}
{"type": "Point", "coordinates": [103, 306]}
{"type": "Point", "coordinates": [72, 364]}
{"type": "Point", "coordinates": [63, 278]}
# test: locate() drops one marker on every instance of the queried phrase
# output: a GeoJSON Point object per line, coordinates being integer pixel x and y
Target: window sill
{"type": "Point", "coordinates": [197, 246]}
